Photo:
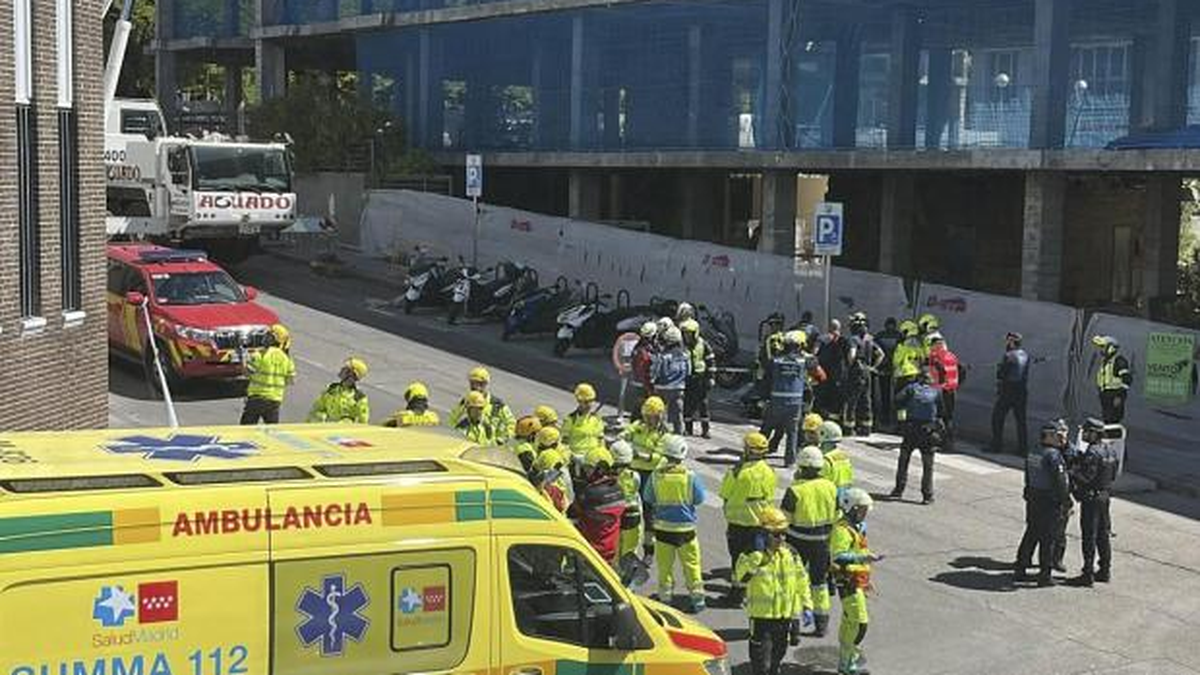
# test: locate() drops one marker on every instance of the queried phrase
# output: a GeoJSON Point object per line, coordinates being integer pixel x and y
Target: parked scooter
{"type": "Point", "coordinates": [719, 329]}
{"type": "Point", "coordinates": [537, 311]}
{"type": "Point", "coordinates": [513, 281]}
{"type": "Point", "coordinates": [425, 282]}
{"type": "Point", "coordinates": [464, 279]}
{"type": "Point", "coordinates": [592, 324]}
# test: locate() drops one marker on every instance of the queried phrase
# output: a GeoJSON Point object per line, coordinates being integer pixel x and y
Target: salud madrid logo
{"type": "Point", "coordinates": [154, 602]}
{"type": "Point", "coordinates": [332, 614]}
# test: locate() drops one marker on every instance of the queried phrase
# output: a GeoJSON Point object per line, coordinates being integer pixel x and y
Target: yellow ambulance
{"type": "Point", "coordinates": [306, 550]}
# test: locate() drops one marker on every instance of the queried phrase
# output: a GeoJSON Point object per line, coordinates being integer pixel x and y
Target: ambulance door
{"type": "Point", "coordinates": [560, 614]}
{"type": "Point", "coordinates": [354, 593]}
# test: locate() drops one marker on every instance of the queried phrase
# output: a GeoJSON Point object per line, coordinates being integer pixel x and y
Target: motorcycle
{"type": "Point", "coordinates": [513, 281]}
{"type": "Point", "coordinates": [537, 311]}
{"type": "Point", "coordinates": [719, 329]}
{"type": "Point", "coordinates": [425, 278]}
{"type": "Point", "coordinates": [593, 324]}
{"type": "Point", "coordinates": [485, 293]}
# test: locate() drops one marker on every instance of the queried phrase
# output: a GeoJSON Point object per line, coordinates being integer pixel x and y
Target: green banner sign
{"type": "Point", "coordinates": [1169, 363]}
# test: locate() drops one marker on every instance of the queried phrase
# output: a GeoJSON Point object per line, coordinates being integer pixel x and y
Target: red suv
{"type": "Point", "coordinates": [204, 322]}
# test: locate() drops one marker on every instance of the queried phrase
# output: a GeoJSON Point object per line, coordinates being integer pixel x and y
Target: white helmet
{"type": "Point", "coordinates": [665, 324]}
{"type": "Point", "coordinates": [810, 458]}
{"type": "Point", "coordinates": [674, 447]}
{"type": "Point", "coordinates": [622, 451]}
{"type": "Point", "coordinates": [672, 336]}
{"type": "Point", "coordinates": [829, 434]}
{"type": "Point", "coordinates": [685, 311]}
{"type": "Point", "coordinates": [648, 330]}
{"type": "Point", "coordinates": [854, 497]}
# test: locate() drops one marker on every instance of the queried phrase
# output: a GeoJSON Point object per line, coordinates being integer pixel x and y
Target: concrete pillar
{"type": "Point", "coordinates": [1160, 86]}
{"type": "Point", "coordinates": [584, 193]}
{"type": "Point", "coordinates": [778, 228]}
{"type": "Point", "coordinates": [1042, 247]}
{"type": "Point", "coordinates": [233, 98]}
{"type": "Point", "coordinates": [773, 135]}
{"type": "Point", "coordinates": [270, 65]}
{"type": "Point", "coordinates": [701, 208]}
{"type": "Point", "coordinates": [1159, 239]}
{"type": "Point", "coordinates": [845, 90]}
{"type": "Point", "coordinates": [476, 113]}
{"type": "Point", "coordinates": [903, 79]}
{"type": "Point", "coordinates": [937, 99]}
{"type": "Point", "coordinates": [1051, 76]}
{"type": "Point", "coordinates": [694, 81]}
{"type": "Point", "coordinates": [896, 213]}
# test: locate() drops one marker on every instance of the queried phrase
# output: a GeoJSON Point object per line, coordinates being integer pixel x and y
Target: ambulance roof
{"type": "Point", "coordinates": [40, 462]}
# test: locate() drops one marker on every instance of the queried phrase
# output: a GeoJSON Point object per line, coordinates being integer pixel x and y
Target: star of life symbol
{"type": "Point", "coordinates": [182, 447]}
{"type": "Point", "coordinates": [113, 607]}
{"type": "Point", "coordinates": [332, 614]}
{"type": "Point", "coordinates": [410, 601]}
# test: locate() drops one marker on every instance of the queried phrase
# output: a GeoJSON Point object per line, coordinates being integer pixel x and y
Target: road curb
{"type": "Point", "coordinates": [348, 269]}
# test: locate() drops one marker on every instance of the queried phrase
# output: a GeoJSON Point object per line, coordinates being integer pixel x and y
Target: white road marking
{"type": "Point", "coordinates": [968, 464]}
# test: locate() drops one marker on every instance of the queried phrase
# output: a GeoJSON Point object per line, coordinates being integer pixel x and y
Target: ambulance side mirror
{"type": "Point", "coordinates": [627, 631]}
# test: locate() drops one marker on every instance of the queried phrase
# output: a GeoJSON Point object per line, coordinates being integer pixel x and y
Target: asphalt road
{"type": "Point", "coordinates": [944, 603]}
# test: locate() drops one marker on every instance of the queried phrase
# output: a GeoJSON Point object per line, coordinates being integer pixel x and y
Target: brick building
{"type": "Point", "coordinates": [53, 368]}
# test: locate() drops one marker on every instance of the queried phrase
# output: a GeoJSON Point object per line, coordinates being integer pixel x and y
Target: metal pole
{"type": "Point", "coordinates": [172, 418]}
{"type": "Point", "coordinates": [828, 288]}
{"type": "Point", "coordinates": [475, 239]}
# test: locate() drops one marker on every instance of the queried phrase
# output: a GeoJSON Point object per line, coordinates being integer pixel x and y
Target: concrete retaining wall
{"type": "Point", "coordinates": [338, 196]}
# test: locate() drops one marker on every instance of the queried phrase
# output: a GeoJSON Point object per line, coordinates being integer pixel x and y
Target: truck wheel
{"type": "Point", "coordinates": [561, 345]}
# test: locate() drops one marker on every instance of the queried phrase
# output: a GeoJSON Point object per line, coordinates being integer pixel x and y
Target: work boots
{"type": "Point", "coordinates": [1084, 580]}
{"type": "Point", "coordinates": [704, 431]}
{"type": "Point", "coordinates": [820, 625]}
{"type": "Point", "coordinates": [1103, 576]}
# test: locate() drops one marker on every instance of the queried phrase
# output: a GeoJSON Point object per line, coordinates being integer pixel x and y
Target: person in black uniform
{"type": "Point", "coordinates": [1045, 493]}
{"type": "Point", "coordinates": [1012, 393]}
{"type": "Point", "coordinates": [887, 339]}
{"type": "Point", "coordinates": [1092, 476]}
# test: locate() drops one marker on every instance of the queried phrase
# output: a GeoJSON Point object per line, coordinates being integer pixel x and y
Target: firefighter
{"type": "Point", "coordinates": [599, 505]}
{"type": "Point", "coordinates": [500, 416]}
{"type": "Point", "coordinates": [786, 380]}
{"type": "Point", "coordinates": [778, 596]}
{"type": "Point", "coordinates": [629, 564]}
{"type": "Point", "coordinates": [672, 368]}
{"type": "Point", "coordinates": [865, 359]}
{"type": "Point", "coordinates": [747, 487]}
{"type": "Point", "coordinates": [1012, 394]}
{"type": "Point", "coordinates": [343, 401]}
{"type": "Point", "coordinates": [643, 356]}
{"type": "Point", "coordinates": [811, 506]}
{"type": "Point", "coordinates": [647, 436]}
{"type": "Point", "coordinates": [946, 376]}
{"type": "Point", "coordinates": [416, 412]}
{"type": "Point", "coordinates": [673, 494]}
{"type": "Point", "coordinates": [907, 359]}
{"type": "Point", "coordinates": [850, 564]}
{"type": "Point", "coordinates": [583, 430]}
{"type": "Point", "coordinates": [270, 371]}
{"type": "Point", "coordinates": [770, 333]}
{"type": "Point", "coordinates": [1113, 379]}
{"type": "Point", "coordinates": [476, 426]}
{"type": "Point", "coordinates": [888, 339]}
{"type": "Point", "coordinates": [927, 325]}
{"type": "Point", "coordinates": [700, 382]}
{"type": "Point", "coordinates": [838, 467]}
{"type": "Point", "coordinates": [834, 355]}
{"type": "Point", "coordinates": [547, 415]}
{"type": "Point", "coordinates": [525, 441]}
{"type": "Point", "coordinates": [812, 429]}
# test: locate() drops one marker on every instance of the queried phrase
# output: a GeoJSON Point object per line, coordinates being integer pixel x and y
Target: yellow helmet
{"type": "Point", "coordinates": [546, 415]}
{"type": "Point", "coordinates": [796, 338]}
{"type": "Point", "coordinates": [928, 323]}
{"type": "Point", "coordinates": [585, 393]}
{"type": "Point", "coordinates": [475, 399]}
{"type": "Point", "coordinates": [548, 437]}
{"type": "Point", "coordinates": [283, 337]}
{"type": "Point", "coordinates": [599, 457]}
{"type": "Point", "coordinates": [653, 406]}
{"type": "Point", "coordinates": [771, 518]}
{"type": "Point", "coordinates": [528, 426]}
{"type": "Point", "coordinates": [479, 374]}
{"type": "Point", "coordinates": [755, 443]}
{"type": "Point", "coordinates": [416, 390]}
{"type": "Point", "coordinates": [356, 366]}
{"type": "Point", "coordinates": [548, 459]}
{"type": "Point", "coordinates": [909, 329]}
{"type": "Point", "coordinates": [690, 326]}
{"type": "Point", "coordinates": [812, 422]}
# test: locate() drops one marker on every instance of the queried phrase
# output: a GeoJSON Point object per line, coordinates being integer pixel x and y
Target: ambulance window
{"type": "Point", "coordinates": [37, 485]}
{"type": "Point", "coordinates": [559, 596]}
{"type": "Point", "coordinates": [237, 476]}
{"type": "Point", "coordinates": [378, 469]}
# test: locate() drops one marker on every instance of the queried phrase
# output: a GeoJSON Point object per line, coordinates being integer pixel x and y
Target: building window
{"type": "Point", "coordinates": [1100, 70]}
{"type": "Point", "coordinates": [68, 205]}
{"type": "Point", "coordinates": [27, 219]}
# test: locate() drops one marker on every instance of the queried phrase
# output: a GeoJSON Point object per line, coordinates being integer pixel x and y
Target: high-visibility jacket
{"type": "Point", "coordinates": [907, 359]}
{"type": "Point", "coordinates": [811, 506]}
{"type": "Point", "coordinates": [481, 432]}
{"type": "Point", "coordinates": [673, 493]}
{"type": "Point", "coordinates": [341, 403]}
{"type": "Point", "coordinates": [702, 356]}
{"type": "Point", "coordinates": [582, 432]}
{"type": "Point", "coordinates": [271, 371]}
{"type": "Point", "coordinates": [631, 487]}
{"type": "Point", "coordinates": [526, 452]}
{"type": "Point", "coordinates": [943, 368]}
{"type": "Point", "coordinates": [746, 489]}
{"type": "Point", "coordinates": [647, 442]}
{"type": "Point", "coordinates": [1114, 374]}
{"type": "Point", "coordinates": [504, 423]}
{"type": "Point", "coordinates": [412, 418]}
{"type": "Point", "coordinates": [849, 556]}
{"type": "Point", "coordinates": [777, 583]}
{"type": "Point", "coordinates": [838, 468]}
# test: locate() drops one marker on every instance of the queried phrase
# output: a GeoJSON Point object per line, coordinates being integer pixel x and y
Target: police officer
{"type": "Point", "coordinates": [270, 371]}
{"type": "Point", "coordinates": [673, 494]}
{"type": "Point", "coordinates": [777, 595]}
{"type": "Point", "coordinates": [1045, 494]}
{"type": "Point", "coordinates": [922, 430]}
{"type": "Point", "coordinates": [672, 367]}
{"type": "Point", "coordinates": [811, 507]}
{"type": "Point", "coordinates": [700, 382]}
{"type": "Point", "coordinates": [1113, 379]}
{"type": "Point", "coordinates": [1012, 392]}
{"type": "Point", "coordinates": [865, 359]}
{"type": "Point", "coordinates": [746, 489]}
{"type": "Point", "coordinates": [785, 380]}
{"type": "Point", "coordinates": [343, 401]}
{"type": "Point", "coordinates": [888, 339]}
{"type": "Point", "coordinates": [416, 412]}
{"type": "Point", "coordinates": [1092, 476]}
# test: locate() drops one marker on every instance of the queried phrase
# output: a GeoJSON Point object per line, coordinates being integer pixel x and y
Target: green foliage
{"type": "Point", "coordinates": [1185, 309]}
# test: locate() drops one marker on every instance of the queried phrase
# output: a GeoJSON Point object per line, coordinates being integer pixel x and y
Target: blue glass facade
{"type": "Point", "coordinates": [213, 18]}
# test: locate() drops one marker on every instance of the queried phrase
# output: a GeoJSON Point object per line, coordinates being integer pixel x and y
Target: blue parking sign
{"type": "Point", "coordinates": [828, 229]}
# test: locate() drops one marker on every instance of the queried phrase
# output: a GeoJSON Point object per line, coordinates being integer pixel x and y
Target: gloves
{"type": "Point", "coordinates": [794, 633]}
{"type": "Point", "coordinates": [808, 617]}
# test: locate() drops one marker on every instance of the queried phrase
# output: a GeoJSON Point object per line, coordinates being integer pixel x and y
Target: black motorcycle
{"type": "Point", "coordinates": [426, 278]}
{"type": "Point", "coordinates": [537, 312]}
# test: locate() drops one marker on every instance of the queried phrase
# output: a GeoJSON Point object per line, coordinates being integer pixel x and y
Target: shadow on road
{"type": "Point", "coordinates": [977, 573]}
{"type": "Point", "coordinates": [128, 380]}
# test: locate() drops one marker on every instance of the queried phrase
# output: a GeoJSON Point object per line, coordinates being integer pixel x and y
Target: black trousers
{"type": "Point", "coordinates": [1095, 526]}
{"type": "Point", "coordinates": [884, 392]}
{"type": "Point", "coordinates": [948, 400]}
{"type": "Point", "coordinates": [740, 539]}
{"type": "Point", "coordinates": [260, 409]}
{"type": "Point", "coordinates": [916, 437]}
{"type": "Point", "coordinates": [695, 401]}
{"type": "Point", "coordinates": [768, 645]}
{"type": "Point", "coordinates": [1042, 513]}
{"type": "Point", "coordinates": [830, 399]}
{"type": "Point", "coordinates": [815, 555]}
{"type": "Point", "coordinates": [1112, 406]}
{"type": "Point", "coordinates": [1010, 398]}
{"type": "Point", "coordinates": [859, 417]}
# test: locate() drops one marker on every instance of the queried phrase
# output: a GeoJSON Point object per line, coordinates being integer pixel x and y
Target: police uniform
{"type": "Point", "coordinates": [923, 430]}
{"type": "Point", "coordinates": [1092, 477]}
{"type": "Point", "coordinates": [786, 378]}
{"type": "Point", "coordinates": [1045, 497]}
{"type": "Point", "coordinates": [1012, 393]}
